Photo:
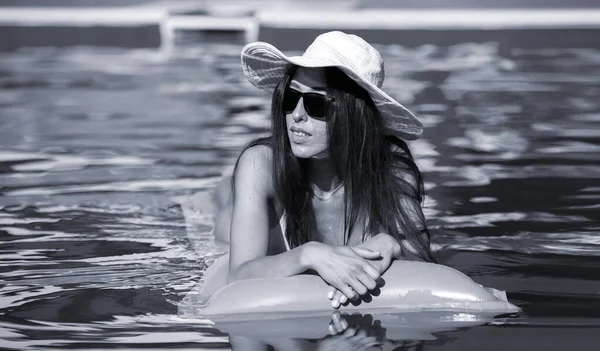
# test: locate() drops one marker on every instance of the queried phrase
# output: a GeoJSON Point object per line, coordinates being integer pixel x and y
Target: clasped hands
{"type": "Point", "coordinates": [354, 271]}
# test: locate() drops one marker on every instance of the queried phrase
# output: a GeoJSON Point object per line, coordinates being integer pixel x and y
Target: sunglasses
{"type": "Point", "coordinates": [315, 104]}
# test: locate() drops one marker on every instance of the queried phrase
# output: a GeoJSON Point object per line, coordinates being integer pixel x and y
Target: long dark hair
{"type": "Point", "coordinates": [382, 183]}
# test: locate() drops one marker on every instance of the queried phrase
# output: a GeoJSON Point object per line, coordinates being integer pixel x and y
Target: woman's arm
{"type": "Point", "coordinates": [250, 223]}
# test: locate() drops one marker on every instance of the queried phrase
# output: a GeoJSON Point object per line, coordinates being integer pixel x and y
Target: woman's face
{"type": "Point", "coordinates": [307, 134]}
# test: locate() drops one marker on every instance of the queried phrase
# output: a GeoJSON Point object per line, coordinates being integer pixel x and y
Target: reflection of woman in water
{"type": "Point", "coordinates": [355, 332]}
{"type": "Point", "coordinates": [334, 188]}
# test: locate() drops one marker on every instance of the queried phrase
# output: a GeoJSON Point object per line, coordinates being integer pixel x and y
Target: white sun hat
{"type": "Point", "coordinates": [264, 66]}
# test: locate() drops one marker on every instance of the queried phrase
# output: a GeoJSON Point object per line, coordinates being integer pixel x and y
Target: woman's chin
{"type": "Point", "coordinates": [304, 152]}
{"type": "Point", "coordinates": [302, 155]}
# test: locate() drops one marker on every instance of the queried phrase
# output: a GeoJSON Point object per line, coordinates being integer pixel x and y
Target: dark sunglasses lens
{"type": "Point", "coordinates": [315, 104]}
{"type": "Point", "coordinates": [290, 100]}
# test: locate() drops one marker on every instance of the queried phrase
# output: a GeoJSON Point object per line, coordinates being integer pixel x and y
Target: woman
{"type": "Point", "coordinates": [334, 189]}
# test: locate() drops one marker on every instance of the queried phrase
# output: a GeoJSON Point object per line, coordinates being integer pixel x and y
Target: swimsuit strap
{"type": "Point", "coordinates": [282, 226]}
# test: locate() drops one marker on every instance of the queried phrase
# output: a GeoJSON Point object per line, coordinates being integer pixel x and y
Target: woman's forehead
{"type": "Point", "coordinates": [310, 78]}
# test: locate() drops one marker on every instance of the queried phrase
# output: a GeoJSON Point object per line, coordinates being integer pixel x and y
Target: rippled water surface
{"type": "Point", "coordinates": [102, 151]}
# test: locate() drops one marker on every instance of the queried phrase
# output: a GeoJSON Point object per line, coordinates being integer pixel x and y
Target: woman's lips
{"type": "Point", "coordinates": [298, 135]}
{"type": "Point", "coordinates": [299, 130]}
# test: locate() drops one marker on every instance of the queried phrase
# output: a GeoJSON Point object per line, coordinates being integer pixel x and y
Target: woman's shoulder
{"type": "Point", "coordinates": [254, 168]}
{"type": "Point", "coordinates": [258, 154]}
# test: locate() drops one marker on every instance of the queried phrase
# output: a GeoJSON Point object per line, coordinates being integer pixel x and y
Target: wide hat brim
{"type": "Point", "coordinates": [264, 66]}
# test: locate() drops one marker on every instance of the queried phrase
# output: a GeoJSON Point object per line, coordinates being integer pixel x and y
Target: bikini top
{"type": "Point", "coordinates": [282, 226]}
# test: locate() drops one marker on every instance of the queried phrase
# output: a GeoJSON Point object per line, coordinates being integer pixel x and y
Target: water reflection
{"type": "Point", "coordinates": [348, 331]}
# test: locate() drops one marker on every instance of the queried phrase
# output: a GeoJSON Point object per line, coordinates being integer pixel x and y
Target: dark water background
{"type": "Point", "coordinates": [95, 144]}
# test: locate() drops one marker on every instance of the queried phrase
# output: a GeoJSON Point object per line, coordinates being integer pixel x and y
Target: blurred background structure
{"type": "Point", "coordinates": [152, 23]}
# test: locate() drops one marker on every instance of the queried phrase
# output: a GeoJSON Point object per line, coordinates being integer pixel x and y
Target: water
{"type": "Point", "coordinates": [102, 151]}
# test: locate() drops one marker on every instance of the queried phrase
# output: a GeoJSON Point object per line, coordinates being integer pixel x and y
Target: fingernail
{"type": "Point", "coordinates": [344, 299]}
{"type": "Point", "coordinates": [344, 324]}
{"type": "Point", "coordinates": [335, 303]}
{"type": "Point", "coordinates": [331, 329]}
{"type": "Point", "coordinates": [330, 294]}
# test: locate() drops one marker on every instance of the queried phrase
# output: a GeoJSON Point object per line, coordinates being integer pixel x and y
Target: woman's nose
{"type": "Point", "coordinates": [299, 113]}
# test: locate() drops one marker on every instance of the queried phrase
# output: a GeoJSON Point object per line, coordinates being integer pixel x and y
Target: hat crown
{"type": "Point", "coordinates": [352, 51]}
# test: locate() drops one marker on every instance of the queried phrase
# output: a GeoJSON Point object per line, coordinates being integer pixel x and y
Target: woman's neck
{"type": "Point", "coordinates": [322, 173]}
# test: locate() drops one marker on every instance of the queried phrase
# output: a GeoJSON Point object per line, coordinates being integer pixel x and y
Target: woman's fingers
{"type": "Point", "coordinates": [332, 292]}
{"type": "Point", "coordinates": [350, 332]}
{"type": "Point", "coordinates": [332, 330]}
{"type": "Point", "coordinates": [371, 271]}
{"type": "Point", "coordinates": [338, 296]}
{"type": "Point", "coordinates": [366, 253]}
{"type": "Point", "coordinates": [339, 323]}
{"type": "Point", "coordinates": [348, 291]}
{"type": "Point", "coordinates": [358, 286]}
{"type": "Point", "coordinates": [366, 281]}
{"type": "Point", "coordinates": [339, 300]}
{"type": "Point", "coordinates": [363, 343]}
{"type": "Point", "coordinates": [349, 274]}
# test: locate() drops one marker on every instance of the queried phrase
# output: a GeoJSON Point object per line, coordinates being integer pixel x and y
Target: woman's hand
{"type": "Point", "coordinates": [346, 269]}
{"type": "Point", "coordinates": [345, 337]}
{"type": "Point", "coordinates": [382, 243]}
{"type": "Point", "coordinates": [350, 339]}
{"type": "Point", "coordinates": [387, 246]}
